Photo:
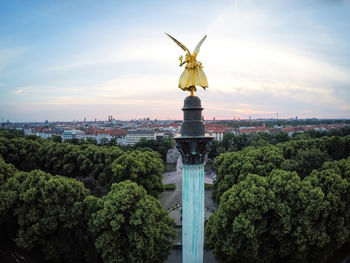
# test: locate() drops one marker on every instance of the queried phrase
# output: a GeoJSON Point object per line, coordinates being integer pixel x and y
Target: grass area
{"type": "Point", "coordinates": [169, 187]}
{"type": "Point", "coordinates": [208, 186]}
{"type": "Point", "coordinates": [169, 167]}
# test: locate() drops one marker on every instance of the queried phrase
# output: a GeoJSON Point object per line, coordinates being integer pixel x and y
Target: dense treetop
{"type": "Point", "coordinates": [282, 218]}
{"type": "Point", "coordinates": [56, 217]}
{"type": "Point", "coordinates": [288, 202]}
{"type": "Point", "coordinates": [232, 142]}
{"type": "Point", "coordinates": [131, 226]}
{"type": "Point", "coordinates": [90, 163]}
{"type": "Point", "coordinates": [301, 156]}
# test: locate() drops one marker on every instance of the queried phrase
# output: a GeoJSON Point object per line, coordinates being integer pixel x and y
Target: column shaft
{"type": "Point", "coordinates": [192, 213]}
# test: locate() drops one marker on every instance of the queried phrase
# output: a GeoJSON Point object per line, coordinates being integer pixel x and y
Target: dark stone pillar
{"type": "Point", "coordinates": [193, 146]}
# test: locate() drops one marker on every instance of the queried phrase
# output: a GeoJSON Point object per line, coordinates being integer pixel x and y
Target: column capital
{"type": "Point", "coordinates": [193, 149]}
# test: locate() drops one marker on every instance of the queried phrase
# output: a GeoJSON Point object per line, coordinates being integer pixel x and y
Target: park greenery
{"type": "Point", "coordinates": [98, 167]}
{"type": "Point", "coordinates": [288, 202]}
{"type": "Point", "coordinates": [281, 122]}
{"type": "Point", "coordinates": [56, 217]}
{"type": "Point", "coordinates": [281, 198]}
{"type": "Point", "coordinates": [232, 142]}
{"type": "Point", "coordinates": [169, 187]}
{"type": "Point", "coordinates": [161, 146]}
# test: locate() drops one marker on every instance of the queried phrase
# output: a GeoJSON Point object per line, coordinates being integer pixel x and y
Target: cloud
{"type": "Point", "coordinates": [244, 55]}
{"type": "Point", "coordinates": [127, 89]}
{"type": "Point", "coordinates": [259, 59]}
{"type": "Point", "coordinates": [133, 50]}
{"type": "Point", "coordinates": [21, 90]}
{"type": "Point", "coordinates": [345, 107]}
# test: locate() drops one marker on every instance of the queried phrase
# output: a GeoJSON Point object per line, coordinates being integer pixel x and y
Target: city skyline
{"type": "Point", "coordinates": [72, 59]}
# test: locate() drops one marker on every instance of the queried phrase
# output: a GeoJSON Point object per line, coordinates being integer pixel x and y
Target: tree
{"type": "Point", "coordinates": [85, 160]}
{"type": "Point", "coordinates": [280, 218]}
{"type": "Point", "coordinates": [6, 199]}
{"type": "Point", "coordinates": [160, 146]}
{"type": "Point", "coordinates": [233, 167]}
{"type": "Point", "coordinates": [6, 171]}
{"type": "Point", "coordinates": [91, 141]}
{"type": "Point", "coordinates": [215, 149]}
{"type": "Point", "coordinates": [232, 142]}
{"type": "Point", "coordinates": [335, 217]}
{"type": "Point", "coordinates": [305, 161]}
{"type": "Point", "coordinates": [336, 147]}
{"type": "Point", "coordinates": [56, 138]}
{"type": "Point", "coordinates": [104, 141]}
{"type": "Point", "coordinates": [49, 214]}
{"type": "Point", "coordinates": [131, 226]}
{"type": "Point", "coordinates": [144, 168]}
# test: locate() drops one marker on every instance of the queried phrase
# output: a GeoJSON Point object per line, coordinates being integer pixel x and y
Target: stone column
{"type": "Point", "coordinates": [192, 145]}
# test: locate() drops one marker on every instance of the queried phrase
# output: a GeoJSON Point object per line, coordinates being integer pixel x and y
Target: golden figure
{"type": "Point", "coordinates": [193, 74]}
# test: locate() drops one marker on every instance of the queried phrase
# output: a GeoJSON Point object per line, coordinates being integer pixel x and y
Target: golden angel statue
{"type": "Point", "coordinates": [193, 74]}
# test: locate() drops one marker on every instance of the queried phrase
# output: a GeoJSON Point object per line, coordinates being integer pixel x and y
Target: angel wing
{"type": "Point", "coordinates": [179, 43]}
{"type": "Point", "coordinates": [196, 50]}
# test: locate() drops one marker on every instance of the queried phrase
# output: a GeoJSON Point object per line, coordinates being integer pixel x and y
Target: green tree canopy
{"type": "Point", "coordinates": [48, 212]}
{"type": "Point", "coordinates": [302, 156]}
{"type": "Point", "coordinates": [144, 168]}
{"type": "Point", "coordinates": [233, 167]}
{"type": "Point", "coordinates": [131, 226]}
{"type": "Point", "coordinates": [281, 218]}
{"type": "Point", "coordinates": [87, 162]}
{"type": "Point", "coordinates": [161, 146]}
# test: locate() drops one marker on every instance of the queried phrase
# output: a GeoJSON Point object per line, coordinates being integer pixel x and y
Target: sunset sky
{"type": "Point", "coordinates": [66, 60]}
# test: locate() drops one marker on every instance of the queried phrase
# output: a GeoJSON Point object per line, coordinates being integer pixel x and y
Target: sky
{"type": "Point", "coordinates": [70, 60]}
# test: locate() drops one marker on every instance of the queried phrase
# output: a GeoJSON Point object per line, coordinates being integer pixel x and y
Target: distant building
{"type": "Point", "coordinates": [133, 137]}
{"type": "Point", "coordinates": [253, 130]}
{"type": "Point", "coordinates": [218, 130]}
{"type": "Point", "coordinates": [103, 135]}
{"type": "Point", "coordinates": [38, 131]}
{"type": "Point", "coordinates": [72, 134]}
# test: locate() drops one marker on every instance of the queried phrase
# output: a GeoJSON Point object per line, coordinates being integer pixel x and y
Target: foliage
{"type": "Point", "coordinates": [56, 216]}
{"type": "Point", "coordinates": [272, 123]}
{"type": "Point", "coordinates": [86, 162]}
{"type": "Point", "coordinates": [144, 168]}
{"type": "Point", "coordinates": [232, 142]}
{"type": "Point", "coordinates": [49, 214]}
{"type": "Point", "coordinates": [233, 167]}
{"type": "Point", "coordinates": [160, 146]}
{"type": "Point", "coordinates": [305, 161]}
{"type": "Point", "coordinates": [283, 218]}
{"type": "Point", "coordinates": [6, 171]}
{"type": "Point", "coordinates": [131, 226]}
{"type": "Point", "coordinates": [169, 187]}
{"type": "Point", "coordinates": [6, 199]}
{"type": "Point", "coordinates": [11, 133]}
{"type": "Point", "coordinates": [56, 138]}
{"type": "Point", "coordinates": [215, 148]}
{"type": "Point", "coordinates": [301, 156]}
{"type": "Point", "coordinates": [208, 186]}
